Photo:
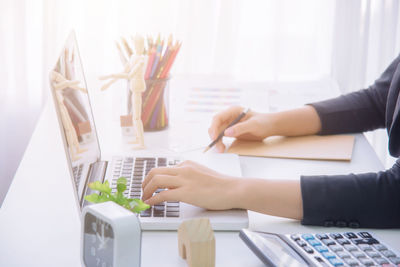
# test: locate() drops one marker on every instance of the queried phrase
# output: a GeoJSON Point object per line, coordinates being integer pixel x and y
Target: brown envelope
{"type": "Point", "coordinates": [328, 147]}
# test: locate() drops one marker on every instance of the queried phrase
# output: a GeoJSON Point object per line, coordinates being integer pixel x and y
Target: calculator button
{"type": "Point", "coordinates": [336, 262]}
{"type": "Point", "coordinates": [336, 248]}
{"type": "Point", "coordinates": [314, 242]}
{"type": "Point", "coordinates": [366, 262]}
{"type": "Point", "coordinates": [308, 249]}
{"type": "Point", "coordinates": [295, 237]}
{"type": "Point", "coordinates": [364, 247]}
{"type": "Point", "coordinates": [343, 254]}
{"type": "Point", "coordinates": [342, 241]}
{"type": "Point", "coordinates": [365, 235]}
{"type": "Point", "coordinates": [350, 235]}
{"type": "Point", "coordinates": [328, 242]}
{"type": "Point", "coordinates": [352, 262]}
{"type": "Point", "coordinates": [395, 260]}
{"type": "Point", "coordinates": [328, 255]}
{"type": "Point", "coordinates": [381, 261]}
{"type": "Point", "coordinates": [358, 254]}
{"type": "Point", "coordinates": [368, 241]}
{"type": "Point", "coordinates": [388, 253]}
{"type": "Point", "coordinates": [350, 247]}
{"type": "Point", "coordinates": [321, 249]}
{"type": "Point", "coordinates": [379, 247]}
{"type": "Point", "coordinates": [322, 236]}
{"type": "Point", "coordinates": [301, 243]}
{"type": "Point", "coordinates": [336, 236]}
{"type": "Point", "coordinates": [307, 237]}
{"type": "Point", "coordinates": [373, 254]}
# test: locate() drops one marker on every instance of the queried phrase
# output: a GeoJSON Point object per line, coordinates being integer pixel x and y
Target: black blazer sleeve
{"type": "Point", "coordinates": [369, 200]}
{"type": "Point", "coordinates": [360, 111]}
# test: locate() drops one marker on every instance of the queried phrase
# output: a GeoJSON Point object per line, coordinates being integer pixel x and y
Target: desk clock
{"type": "Point", "coordinates": [110, 237]}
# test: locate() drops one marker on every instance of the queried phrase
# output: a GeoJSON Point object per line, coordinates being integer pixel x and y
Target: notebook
{"type": "Point", "coordinates": [328, 147]}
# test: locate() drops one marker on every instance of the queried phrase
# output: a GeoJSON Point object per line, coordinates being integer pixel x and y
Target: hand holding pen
{"type": "Point", "coordinates": [252, 126]}
{"type": "Point", "coordinates": [227, 128]}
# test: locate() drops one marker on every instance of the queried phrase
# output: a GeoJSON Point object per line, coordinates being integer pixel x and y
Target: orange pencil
{"type": "Point", "coordinates": [164, 59]}
{"type": "Point", "coordinates": [171, 61]}
{"type": "Point", "coordinates": [150, 92]}
{"type": "Point", "coordinates": [150, 106]}
{"type": "Point", "coordinates": [164, 62]}
{"type": "Point", "coordinates": [164, 73]}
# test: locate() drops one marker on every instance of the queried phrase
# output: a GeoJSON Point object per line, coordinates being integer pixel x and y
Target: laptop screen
{"type": "Point", "coordinates": [74, 113]}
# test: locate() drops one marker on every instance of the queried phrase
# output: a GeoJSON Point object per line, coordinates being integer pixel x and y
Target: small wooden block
{"type": "Point", "coordinates": [126, 121]}
{"type": "Point", "coordinates": [196, 242]}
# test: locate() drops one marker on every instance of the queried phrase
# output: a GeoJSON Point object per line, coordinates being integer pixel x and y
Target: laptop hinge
{"type": "Point", "coordinates": [97, 172]}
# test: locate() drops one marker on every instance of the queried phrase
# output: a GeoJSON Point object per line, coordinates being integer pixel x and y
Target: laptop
{"type": "Point", "coordinates": [86, 164]}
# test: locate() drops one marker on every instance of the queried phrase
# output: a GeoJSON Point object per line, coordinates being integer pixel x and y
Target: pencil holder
{"type": "Point", "coordinates": [155, 104]}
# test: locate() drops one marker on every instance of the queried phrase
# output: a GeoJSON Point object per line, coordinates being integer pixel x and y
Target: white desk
{"type": "Point", "coordinates": [39, 223]}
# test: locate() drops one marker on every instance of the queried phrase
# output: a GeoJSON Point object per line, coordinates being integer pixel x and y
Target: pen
{"type": "Point", "coordinates": [238, 118]}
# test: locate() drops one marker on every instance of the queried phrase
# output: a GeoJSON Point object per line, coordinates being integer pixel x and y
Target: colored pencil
{"type": "Point", "coordinates": [152, 54]}
{"type": "Point", "coordinates": [159, 64]}
{"type": "Point", "coordinates": [171, 61]}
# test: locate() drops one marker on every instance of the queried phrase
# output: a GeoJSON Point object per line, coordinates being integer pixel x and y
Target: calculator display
{"type": "Point", "coordinates": [273, 250]}
{"type": "Point", "coordinates": [281, 254]}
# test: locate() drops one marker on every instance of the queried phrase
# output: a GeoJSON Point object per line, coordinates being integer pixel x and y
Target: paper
{"type": "Point", "coordinates": [329, 147]}
{"type": "Point", "coordinates": [212, 99]}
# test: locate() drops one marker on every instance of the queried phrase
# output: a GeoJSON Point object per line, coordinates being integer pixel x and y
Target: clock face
{"type": "Point", "coordinates": [98, 242]}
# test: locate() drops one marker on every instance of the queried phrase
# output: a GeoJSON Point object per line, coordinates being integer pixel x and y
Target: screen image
{"type": "Point", "coordinates": [98, 242]}
{"type": "Point", "coordinates": [74, 113]}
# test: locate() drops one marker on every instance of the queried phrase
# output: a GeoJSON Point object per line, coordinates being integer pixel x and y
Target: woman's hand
{"type": "Point", "coordinates": [191, 183]}
{"type": "Point", "coordinates": [254, 126]}
{"type": "Point", "coordinates": [195, 184]}
{"type": "Point", "coordinates": [258, 126]}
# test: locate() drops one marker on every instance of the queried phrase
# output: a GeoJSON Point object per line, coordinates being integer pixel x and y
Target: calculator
{"type": "Point", "coordinates": [329, 249]}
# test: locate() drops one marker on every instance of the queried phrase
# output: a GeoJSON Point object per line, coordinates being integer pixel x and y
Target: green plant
{"type": "Point", "coordinates": [132, 204]}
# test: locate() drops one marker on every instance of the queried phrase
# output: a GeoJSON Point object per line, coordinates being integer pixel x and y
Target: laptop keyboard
{"type": "Point", "coordinates": [135, 170]}
{"type": "Point", "coordinates": [77, 171]}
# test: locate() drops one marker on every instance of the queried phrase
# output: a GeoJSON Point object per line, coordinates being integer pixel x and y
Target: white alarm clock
{"type": "Point", "coordinates": [111, 236]}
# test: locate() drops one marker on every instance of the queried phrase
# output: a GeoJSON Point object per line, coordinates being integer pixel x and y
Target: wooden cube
{"type": "Point", "coordinates": [196, 242]}
{"type": "Point", "coordinates": [127, 125]}
{"type": "Point", "coordinates": [126, 120]}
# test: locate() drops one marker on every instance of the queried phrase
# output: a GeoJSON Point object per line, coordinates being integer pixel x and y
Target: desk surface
{"type": "Point", "coordinates": [40, 226]}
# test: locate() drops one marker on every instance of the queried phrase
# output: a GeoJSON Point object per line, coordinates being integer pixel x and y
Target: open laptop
{"type": "Point", "coordinates": [78, 131]}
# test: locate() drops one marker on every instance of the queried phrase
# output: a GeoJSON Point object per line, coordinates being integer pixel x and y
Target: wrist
{"type": "Point", "coordinates": [237, 193]}
{"type": "Point", "coordinates": [272, 124]}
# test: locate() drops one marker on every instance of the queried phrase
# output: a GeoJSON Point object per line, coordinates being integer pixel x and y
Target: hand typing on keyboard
{"type": "Point", "coordinates": [198, 185]}
{"type": "Point", "coordinates": [192, 183]}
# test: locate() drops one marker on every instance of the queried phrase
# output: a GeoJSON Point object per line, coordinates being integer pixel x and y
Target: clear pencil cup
{"type": "Point", "coordinates": [155, 104]}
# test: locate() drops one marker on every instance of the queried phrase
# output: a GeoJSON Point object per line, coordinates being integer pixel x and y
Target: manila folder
{"type": "Point", "coordinates": [328, 147]}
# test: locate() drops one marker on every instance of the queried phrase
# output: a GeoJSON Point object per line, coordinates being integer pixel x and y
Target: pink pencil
{"type": "Point", "coordinates": [150, 63]}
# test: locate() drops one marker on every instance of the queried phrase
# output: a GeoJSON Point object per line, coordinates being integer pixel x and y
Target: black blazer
{"type": "Point", "coordinates": [359, 200]}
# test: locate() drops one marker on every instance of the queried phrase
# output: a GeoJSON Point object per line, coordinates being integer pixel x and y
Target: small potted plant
{"type": "Point", "coordinates": [133, 204]}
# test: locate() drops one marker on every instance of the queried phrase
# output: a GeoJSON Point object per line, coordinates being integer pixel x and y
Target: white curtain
{"type": "Point", "coordinates": [249, 40]}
